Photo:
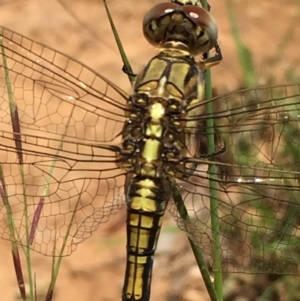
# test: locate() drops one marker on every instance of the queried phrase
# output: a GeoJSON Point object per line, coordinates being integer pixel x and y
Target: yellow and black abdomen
{"type": "Point", "coordinates": [147, 194]}
{"type": "Point", "coordinates": [153, 139]}
{"type": "Point", "coordinates": [147, 203]}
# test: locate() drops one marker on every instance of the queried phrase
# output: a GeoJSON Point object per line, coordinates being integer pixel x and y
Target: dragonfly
{"type": "Point", "coordinates": [75, 149]}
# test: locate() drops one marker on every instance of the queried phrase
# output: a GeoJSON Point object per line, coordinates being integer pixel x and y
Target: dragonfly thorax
{"type": "Point", "coordinates": [155, 135]}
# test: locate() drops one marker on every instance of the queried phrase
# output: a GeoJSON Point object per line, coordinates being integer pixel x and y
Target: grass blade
{"type": "Point", "coordinates": [197, 252]}
{"type": "Point", "coordinates": [214, 205]}
{"type": "Point", "coordinates": [125, 60]}
{"type": "Point", "coordinates": [35, 221]}
{"type": "Point", "coordinates": [17, 139]}
{"type": "Point", "coordinates": [244, 54]}
{"type": "Point", "coordinates": [19, 273]}
{"type": "Point", "coordinates": [212, 170]}
{"type": "Point", "coordinates": [56, 265]}
{"type": "Point", "coordinates": [13, 231]}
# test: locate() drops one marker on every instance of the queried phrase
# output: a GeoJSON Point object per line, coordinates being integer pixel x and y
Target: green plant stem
{"type": "Point", "coordinates": [244, 54]}
{"type": "Point", "coordinates": [27, 248]}
{"type": "Point", "coordinates": [125, 60]}
{"type": "Point", "coordinates": [13, 112]}
{"type": "Point", "coordinates": [212, 171]}
{"type": "Point", "coordinates": [197, 252]}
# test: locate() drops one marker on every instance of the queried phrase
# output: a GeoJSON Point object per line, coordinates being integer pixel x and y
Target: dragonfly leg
{"type": "Point", "coordinates": [192, 167]}
{"type": "Point", "coordinates": [127, 72]}
{"type": "Point", "coordinates": [212, 61]}
{"type": "Point", "coordinates": [215, 153]}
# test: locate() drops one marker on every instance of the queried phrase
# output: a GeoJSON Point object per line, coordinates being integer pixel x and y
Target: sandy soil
{"type": "Point", "coordinates": [95, 270]}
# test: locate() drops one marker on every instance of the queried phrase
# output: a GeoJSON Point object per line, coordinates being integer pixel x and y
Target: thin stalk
{"type": "Point", "coordinates": [197, 252]}
{"type": "Point", "coordinates": [214, 211]}
{"type": "Point", "coordinates": [30, 228]}
{"type": "Point", "coordinates": [125, 60]}
{"type": "Point", "coordinates": [244, 53]}
{"type": "Point", "coordinates": [212, 171]}
{"type": "Point", "coordinates": [27, 249]}
{"type": "Point", "coordinates": [12, 231]}
{"type": "Point", "coordinates": [56, 265]}
{"type": "Point", "coordinates": [18, 144]}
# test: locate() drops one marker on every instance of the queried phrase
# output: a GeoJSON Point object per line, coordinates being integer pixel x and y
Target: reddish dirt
{"type": "Point", "coordinates": [95, 270]}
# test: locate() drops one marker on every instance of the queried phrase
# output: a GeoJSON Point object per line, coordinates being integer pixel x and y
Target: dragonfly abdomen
{"type": "Point", "coordinates": [147, 201]}
{"type": "Point", "coordinates": [153, 140]}
{"type": "Point", "coordinates": [148, 189]}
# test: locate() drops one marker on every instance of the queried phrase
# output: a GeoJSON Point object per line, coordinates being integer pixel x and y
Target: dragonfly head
{"type": "Point", "coordinates": [187, 26]}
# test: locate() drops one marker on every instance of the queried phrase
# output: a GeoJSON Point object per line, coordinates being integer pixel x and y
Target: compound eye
{"type": "Point", "coordinates": [158, 11]}
{"type": "Point", "coordinates": [205, 21]}
{"type": "Point", "coordinates": [156, 22]}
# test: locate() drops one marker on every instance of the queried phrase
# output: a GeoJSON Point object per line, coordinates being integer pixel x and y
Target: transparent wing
{"type": "Point", "coordinates": [59, 127]}
{"type": "Point", "coordinates": [254, 181]}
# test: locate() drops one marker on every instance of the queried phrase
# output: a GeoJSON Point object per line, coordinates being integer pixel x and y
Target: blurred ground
{"type": "Point", "coordinates": [95, 270]}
